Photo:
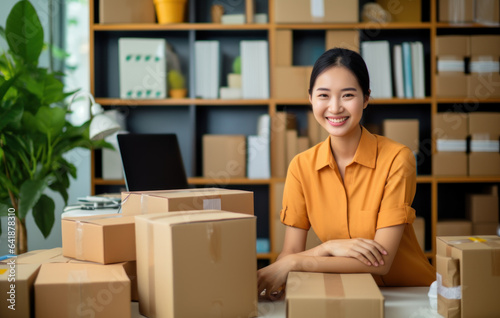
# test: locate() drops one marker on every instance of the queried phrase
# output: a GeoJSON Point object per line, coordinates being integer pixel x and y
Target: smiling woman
{"type": "Point", "coordinates": [355, 190]}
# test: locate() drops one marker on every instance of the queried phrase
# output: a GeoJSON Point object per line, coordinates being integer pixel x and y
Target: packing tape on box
{"type": "Point", "coordinates": [79, 231]}
{"type": "Point", "coordinates": [493, 243]}
{"type": "Point", "coordinates": [78, 240]}
{"type": "Point", "coordinates": [214, 241]}
{"type": "Point", "coordinates": [76, 283]}
{"type": "Point", "coordinates": [334, 288]}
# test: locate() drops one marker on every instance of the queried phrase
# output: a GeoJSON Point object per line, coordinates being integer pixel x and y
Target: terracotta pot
{"type": "Point", "coordinates": [178, 92]}
{"type": "Point", "coordinates": [170, 11]}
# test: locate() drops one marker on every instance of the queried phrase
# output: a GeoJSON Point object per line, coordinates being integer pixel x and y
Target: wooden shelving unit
{"type": "Point", "coordinates": [102, 34]}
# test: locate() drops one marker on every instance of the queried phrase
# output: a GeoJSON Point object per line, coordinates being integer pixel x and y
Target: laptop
{"type": "Point", "coordinates": [152, 162]}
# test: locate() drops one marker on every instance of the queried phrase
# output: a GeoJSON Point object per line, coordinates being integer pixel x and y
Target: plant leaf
{"type": "Point", "coordinates": [24, 32]}
{"type": "Point", "coordinates": [43, 213]}
{"type": "Point", "coordinates": [50, 120]}
{"type": "Point", "coordinates": [11, 115]}
{"type": "Point", "coordinates": [6, 85]}
{"type": "Point", "coordinates": [53, 90]}
{"type": "Point", "coordinates": [29, 194]}
{"type": "Point", "coordinates": [2, 33]}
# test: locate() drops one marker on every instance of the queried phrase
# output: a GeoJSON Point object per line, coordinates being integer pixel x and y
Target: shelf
{"type": "Point", "coordinates": [467, 100]}
{"type": "Point", "coordinates": [485, 179]}
{"type": "Point", "coordinates": [360, 26]}
{"type": "Point", "coordinates": [100, 181]}
{"type": "Point", "coordinates": [179, 102]}
{"type": "Point", "coordinates": [374, 101]}
{"type": "Point", "coordinates": [179, 27]}
{"type": "Point", "coordinates": [226, 181]}
{"type": "Point", "coordinates": [447, 25]}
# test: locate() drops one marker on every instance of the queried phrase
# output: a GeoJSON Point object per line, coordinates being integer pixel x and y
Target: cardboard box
{"type": "Point", "coordinates": [451, 84]}
{"type": "Point", "coordinates": [456, 11]}
{"type": "Point", "coordinates": [16, 288]}
{"type": "Point", "coordinates": [305, 11]}
{"type": "Point", "coordinates": [284, 48]}
{"type": "Point", "coordinates": [404, 131]}
{"type": "Point", "coordinates": [488, 45]}
{"type": "Point", "coordinates": [148, 202]}
{"type": "Point", "coordinates": [403, 10]}
{"type": "Point", "coordinates": [453, 45]}
{"type": "Point", "coordinates": [103, 239]}
{"type": "Point", "coordinates": [348, 39]}
{"type": "Point", "coordinates": [76, 290]}
{"type": "Point", "coordinates": [485, 123]}
{"type": "Point", "coordinates": [484, 164]}
{"type": "Point", "coordinates": [487, 11]}
{"type": "Point", "coordinates": [478, 269]}
{"type": "Point", "coordinates": [224, 157]}
{"type": "Point", "coordinates": [483, 85]}
{"type": "Point", "coordinates": [450, 125]}
{"type": "Point", "coordinates": [453, 228]}
{"type": "Point", "coordinates": [130, 268]}
{"type": "Point", "coordinates": [485, 228]}
{"type": "Point", "coordinates": [332, 295]}
{"type": "Point", "coordinates": [126, 11]}
{"type": "Point", "coordinates": [419, 228]}
{"type": "Point", "coordinates": [193, 263]}
{"type": "Point", "coordinates": [291, 82]}
{"type": "Point", "coordinates": [482, 208]}
{"type": "Point", "coordinates": [449, 164]}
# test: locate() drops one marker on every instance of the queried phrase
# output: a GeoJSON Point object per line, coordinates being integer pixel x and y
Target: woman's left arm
{"type": "Point", "coordinates": [322, 258]}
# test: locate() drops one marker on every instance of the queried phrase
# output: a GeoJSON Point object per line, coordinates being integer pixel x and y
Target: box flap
{"type": "Point", "coordinates": [193, 216]}
{"type": "Point", "coordinates": [105, 219]}
{"type": "Point", "coordinates": [58, 273]}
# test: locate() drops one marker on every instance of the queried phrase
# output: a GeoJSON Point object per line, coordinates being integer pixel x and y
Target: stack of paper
{"type": "Point", "coordinates": [378, 60]}
{"type": "Point", "coordinates": [254, 69]}
{"type": "Point", "coordinates": [259, 161]}
{"type": "Point", "coordinates": [409, 74]}
{"type": "Point", "coordinates": [207, 69]}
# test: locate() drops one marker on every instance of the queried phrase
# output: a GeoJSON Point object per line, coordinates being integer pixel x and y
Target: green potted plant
{"type": "Point", "coordinates": [34, 132]}
{"type": "Point", "coordinates": [176, 84]}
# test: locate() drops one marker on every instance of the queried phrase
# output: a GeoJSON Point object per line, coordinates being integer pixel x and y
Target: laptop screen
{"type": "Point", "coordinates": [152, 162]}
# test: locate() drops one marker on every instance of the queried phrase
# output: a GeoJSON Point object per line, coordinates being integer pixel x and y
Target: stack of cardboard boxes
{"type": "Point", "coordinates": [467, 11]}
{"type": "Point", "coordinates": [452, 130]}
{"type": "Point", "coordinates": [468, 66]}
{"type": "Point", "coordinates": [201, 253]}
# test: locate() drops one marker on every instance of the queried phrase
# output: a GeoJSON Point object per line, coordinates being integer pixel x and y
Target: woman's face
{"type": "Point", "coordinates": [338, 101]}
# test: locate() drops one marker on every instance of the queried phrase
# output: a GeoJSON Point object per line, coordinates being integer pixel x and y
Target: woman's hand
{"type": "Point", "coordinates": [272, 278]}
{"type": "Point", "coordinates": [366, 251]}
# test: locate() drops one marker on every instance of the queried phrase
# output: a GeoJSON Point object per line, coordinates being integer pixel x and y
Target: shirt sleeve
{"type": "Point", "coordinates": [294, 211]}
{"type": "Point", "coordinates": [400, 187]}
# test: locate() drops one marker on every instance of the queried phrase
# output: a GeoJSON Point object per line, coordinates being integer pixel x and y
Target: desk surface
{"type": "Point", "coordinates": [411, 302]}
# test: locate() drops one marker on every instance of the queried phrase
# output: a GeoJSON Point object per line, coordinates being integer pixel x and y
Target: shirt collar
{"type": "Point", "coordinates": [365, 155]}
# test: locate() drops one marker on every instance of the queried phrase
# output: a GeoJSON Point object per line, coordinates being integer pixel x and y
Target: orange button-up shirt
{"type": "Point", "coordinates": [377, 191]}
